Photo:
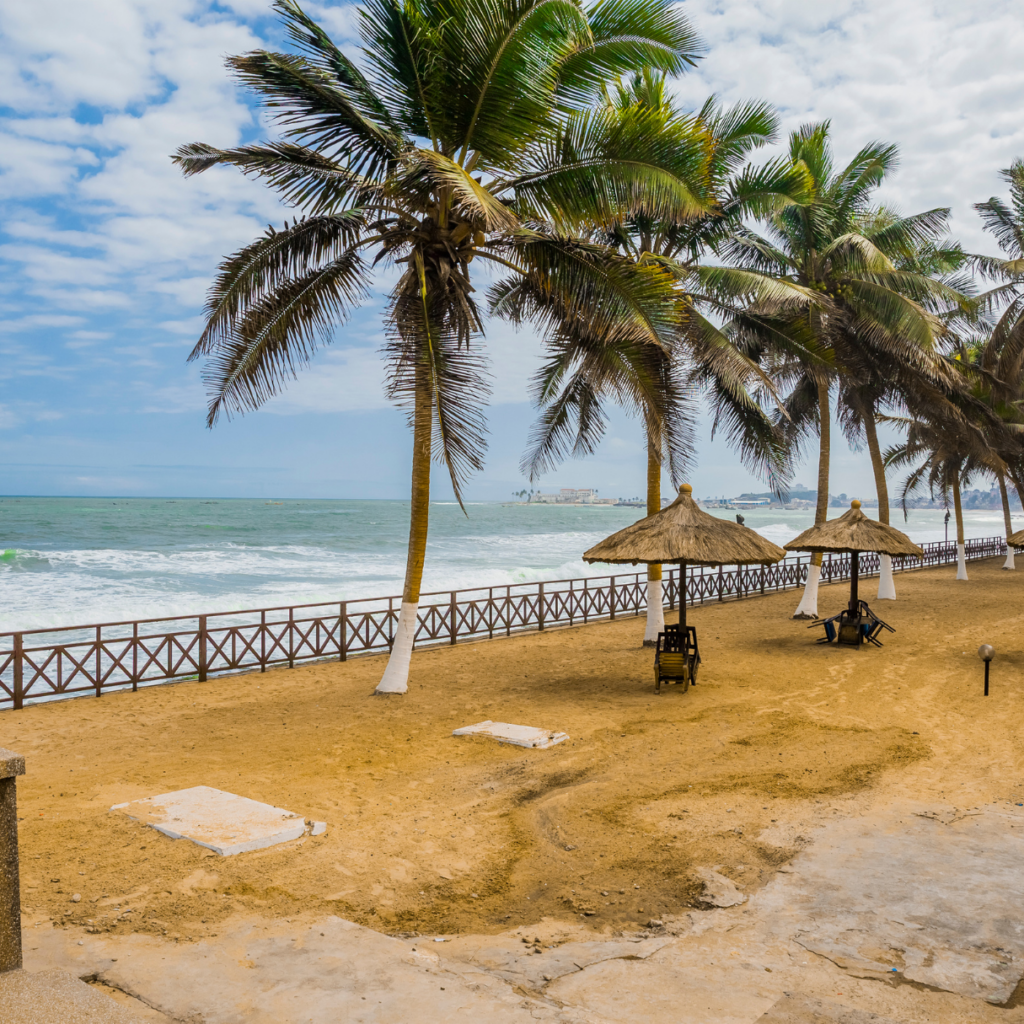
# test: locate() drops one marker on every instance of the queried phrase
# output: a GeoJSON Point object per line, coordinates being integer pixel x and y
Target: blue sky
{"type": "Point", "coordinates": [106, 251]}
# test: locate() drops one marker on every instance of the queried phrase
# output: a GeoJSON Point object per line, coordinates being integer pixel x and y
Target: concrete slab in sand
{"type": "Point", "coordinates": [520, 735]}
{"type": "Point", "coordinates": [55, 997]}
{"type": "Point", "coordinates": [932, 896]}
{"type": "Point", "coordinates": [222, 822]}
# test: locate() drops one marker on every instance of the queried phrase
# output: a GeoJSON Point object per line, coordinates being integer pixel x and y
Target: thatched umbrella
{"type": "Point", "coordinates": [852, 533]}
{"type": "Point", "coordinates": [683, 533]}
{"type": "Point", "coordinates": [1015, 540]}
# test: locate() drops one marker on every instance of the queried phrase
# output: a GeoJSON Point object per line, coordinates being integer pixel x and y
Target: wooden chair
{"type": "Point", "coordinates": [676, 657]}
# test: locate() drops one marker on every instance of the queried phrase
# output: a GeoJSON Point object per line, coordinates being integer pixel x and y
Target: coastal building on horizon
{"type": "Point", "coordinates": [575, 496]}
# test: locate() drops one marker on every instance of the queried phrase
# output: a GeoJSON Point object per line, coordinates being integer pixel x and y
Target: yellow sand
{"type": "Point", "coordinates": [432, 833]}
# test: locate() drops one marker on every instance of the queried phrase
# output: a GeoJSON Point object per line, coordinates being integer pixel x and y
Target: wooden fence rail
{"type": "Point", "coordinates": [48, 664]}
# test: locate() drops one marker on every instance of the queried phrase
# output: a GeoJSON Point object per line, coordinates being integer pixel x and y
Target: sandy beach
{"type": "Point", "coordinates": [603, 834]}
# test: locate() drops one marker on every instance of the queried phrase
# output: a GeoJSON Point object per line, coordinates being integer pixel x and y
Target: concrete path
{"type": "Point", "coordinates": [933, 892]}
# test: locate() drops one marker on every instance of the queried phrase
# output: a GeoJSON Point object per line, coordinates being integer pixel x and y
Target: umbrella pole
{"type": "Point", "coordinates": [854, 579]}
{"type": "Point", "coordinates": [682, 595]}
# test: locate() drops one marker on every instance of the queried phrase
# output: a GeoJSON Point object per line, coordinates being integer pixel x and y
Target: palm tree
{"type": "Point", "coordinates": [586, 367]}
{"type": "Point", "coordinates": [997, 415]}
{"type": "Point", "coordinates": [1002, 355]}
{"type": "Point", "coordinates": [873, 311]}
{"type": "Point", "coordinates": [468, 133]}
{"type": "Point", "coordinates": [1006, 222]}
{"type": "Point", "coordinates": [944, 454]}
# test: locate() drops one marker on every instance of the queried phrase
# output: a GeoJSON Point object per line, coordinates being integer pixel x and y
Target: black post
{"type": "Point", "coordinates": [986, 678]}
{"type": "Point", "coordinates": [202, 648]}
{"type": "Point", "coordinates": [854, 579]}
{"type": "Point", "coordinates": [682, 595]}
{"type": "Point", "coordinates": [19, 670]}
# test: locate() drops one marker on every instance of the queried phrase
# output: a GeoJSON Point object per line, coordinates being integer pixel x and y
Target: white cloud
{"type": "Point", "coordinates": [106, 239]}
{"type": "Point", "coordinates": [340, 380]}
{"type": "Point", "coordinates": [941, 79]}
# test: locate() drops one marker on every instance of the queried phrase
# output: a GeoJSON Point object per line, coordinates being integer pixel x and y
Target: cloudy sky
{"type": "Point", "coordinates": [106, 251]}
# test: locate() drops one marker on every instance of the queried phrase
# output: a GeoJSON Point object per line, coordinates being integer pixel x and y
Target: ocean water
{"type": "Point", "coordinates": [73, 561]}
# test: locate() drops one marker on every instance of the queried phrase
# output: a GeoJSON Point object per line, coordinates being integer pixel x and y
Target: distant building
{"type": "Point", "coordinates": [573, 496]}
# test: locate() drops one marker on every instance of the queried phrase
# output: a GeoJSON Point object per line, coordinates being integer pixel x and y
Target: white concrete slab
{"type": "Point", "coordinates": [222, 822]}
{"type": "Point", "coordinates": [520, 735]}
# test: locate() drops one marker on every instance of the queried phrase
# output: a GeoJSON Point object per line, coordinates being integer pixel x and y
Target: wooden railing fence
{"type": "Point", "coordinates": [48, 664]}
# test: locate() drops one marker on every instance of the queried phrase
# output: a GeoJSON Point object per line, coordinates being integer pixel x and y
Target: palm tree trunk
{"type": "Point", "coordinates": [808, 606]}
{"type": "Point", "coordinates": [1007, 522]}
{"type": "Point", "coordinates": [961, 555]}
{"type": "Point", "coordinates": [886, 586]}
{"type": "Point", "coordinates": [396, 674]}
{"type": "Point", "coordinates": [655, 603]}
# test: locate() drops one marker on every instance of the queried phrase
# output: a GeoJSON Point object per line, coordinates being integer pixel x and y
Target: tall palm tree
{"type": "Point", "coordinates": [944, 453]}
{"type": "Point", "coordinates": [1002, 355]}
{"type": "Point", "coordinates": [873, 309]}
{"type": "Point", "coordinates": [874, 379]}
{"type": "Point", "coordinates": [1006, 222]}
{"type": "Point", "coordinates": [586, 367]}
{"type": "Point", "coordinates": [995, 408]}
{"type": "Point", "coordinates": [467, 133]}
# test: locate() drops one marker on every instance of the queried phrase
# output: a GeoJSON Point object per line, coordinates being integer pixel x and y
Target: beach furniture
{"type": "Point", "coordinates": [852, 533]}
{"type": "Point", "coordinates": [676, 657]}
{"type": "Point", "coordinates": [685, 534]}
{"type": "Point", "coordinates": [852, 629]}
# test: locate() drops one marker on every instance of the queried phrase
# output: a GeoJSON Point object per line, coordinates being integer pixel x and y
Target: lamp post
{"type": "Point", "coordinates": [946, 521]}
{"type": "Point", "coordinates": [986, 652]}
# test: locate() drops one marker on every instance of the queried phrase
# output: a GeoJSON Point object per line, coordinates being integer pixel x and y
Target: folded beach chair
{"type": "Point", "coordinates": [676, 657]}
{"type": "Point", "coordinates": [853, 629]}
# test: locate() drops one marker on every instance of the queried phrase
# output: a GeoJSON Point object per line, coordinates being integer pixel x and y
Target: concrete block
{"type": "Point", "coordinates": [222, 822]}
{"type": "Point", "coordinates": [56, 997]}
{"type": "Point", "coordinates": [11, 764]}
{"type": "Point", "coordinates": [520, 735]}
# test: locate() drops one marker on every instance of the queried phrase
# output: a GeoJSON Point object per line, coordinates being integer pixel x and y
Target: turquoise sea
{"type": "Point", "coordinates": [72, 561]}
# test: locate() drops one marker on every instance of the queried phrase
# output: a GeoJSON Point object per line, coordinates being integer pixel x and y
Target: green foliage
{"type": "Point", "coordinates": [469, 134]}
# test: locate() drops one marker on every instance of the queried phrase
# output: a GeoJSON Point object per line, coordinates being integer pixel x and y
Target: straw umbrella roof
{"type": "Point", "coordinates": [854, 531]}
{"type": "Point", "coordinates": [1016, 540]}
{"type": "Point", "coordinates": [682, 532]}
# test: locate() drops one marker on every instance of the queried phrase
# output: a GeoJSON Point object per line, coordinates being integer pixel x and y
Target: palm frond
{"type": "Point", "coordinates": [279, 334]}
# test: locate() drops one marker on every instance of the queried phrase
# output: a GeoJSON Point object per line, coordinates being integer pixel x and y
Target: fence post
{"type": "Point", "coordinates": [291, 638]}
{"type": "Point", "coordinates": [721, 583]}
{"type": "Point", "coordinates": [11, 766]}
{"type": "Point", "coordinates": [135, 657]}
{"type": "Point", "coordinates": [611, 598]}
{"type": "Point", "coordinates": [99, 664]}
{"type": "Point", "coordinates": [19, 670]}
{"type": "Point", "coordinates": [453, 632]}
{"type": "Point", "coordinates": [762, 579]}
{"type": "Point", "coordinates": [343, 630]}
{"type": "Point", "coordinates": [202, 648]}
{"type": "Point", "coordinates": [540, 605]}
{"type": "Point", "coordinates": [263, 640]}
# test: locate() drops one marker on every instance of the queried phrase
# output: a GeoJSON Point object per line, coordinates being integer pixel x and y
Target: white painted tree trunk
{"type": "Point", "coordinates": [655, 613]}
{"type": "Point", "coordinates": [1008, 564]}
{"type": "Point", "coordinates": [886, 586]}
{"type": "Point", "coordinates": [961, 562]}
{"type": "Point", "coordinates": [808, 606]}
{"type": "Point", "coordinates": [396, 675]}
